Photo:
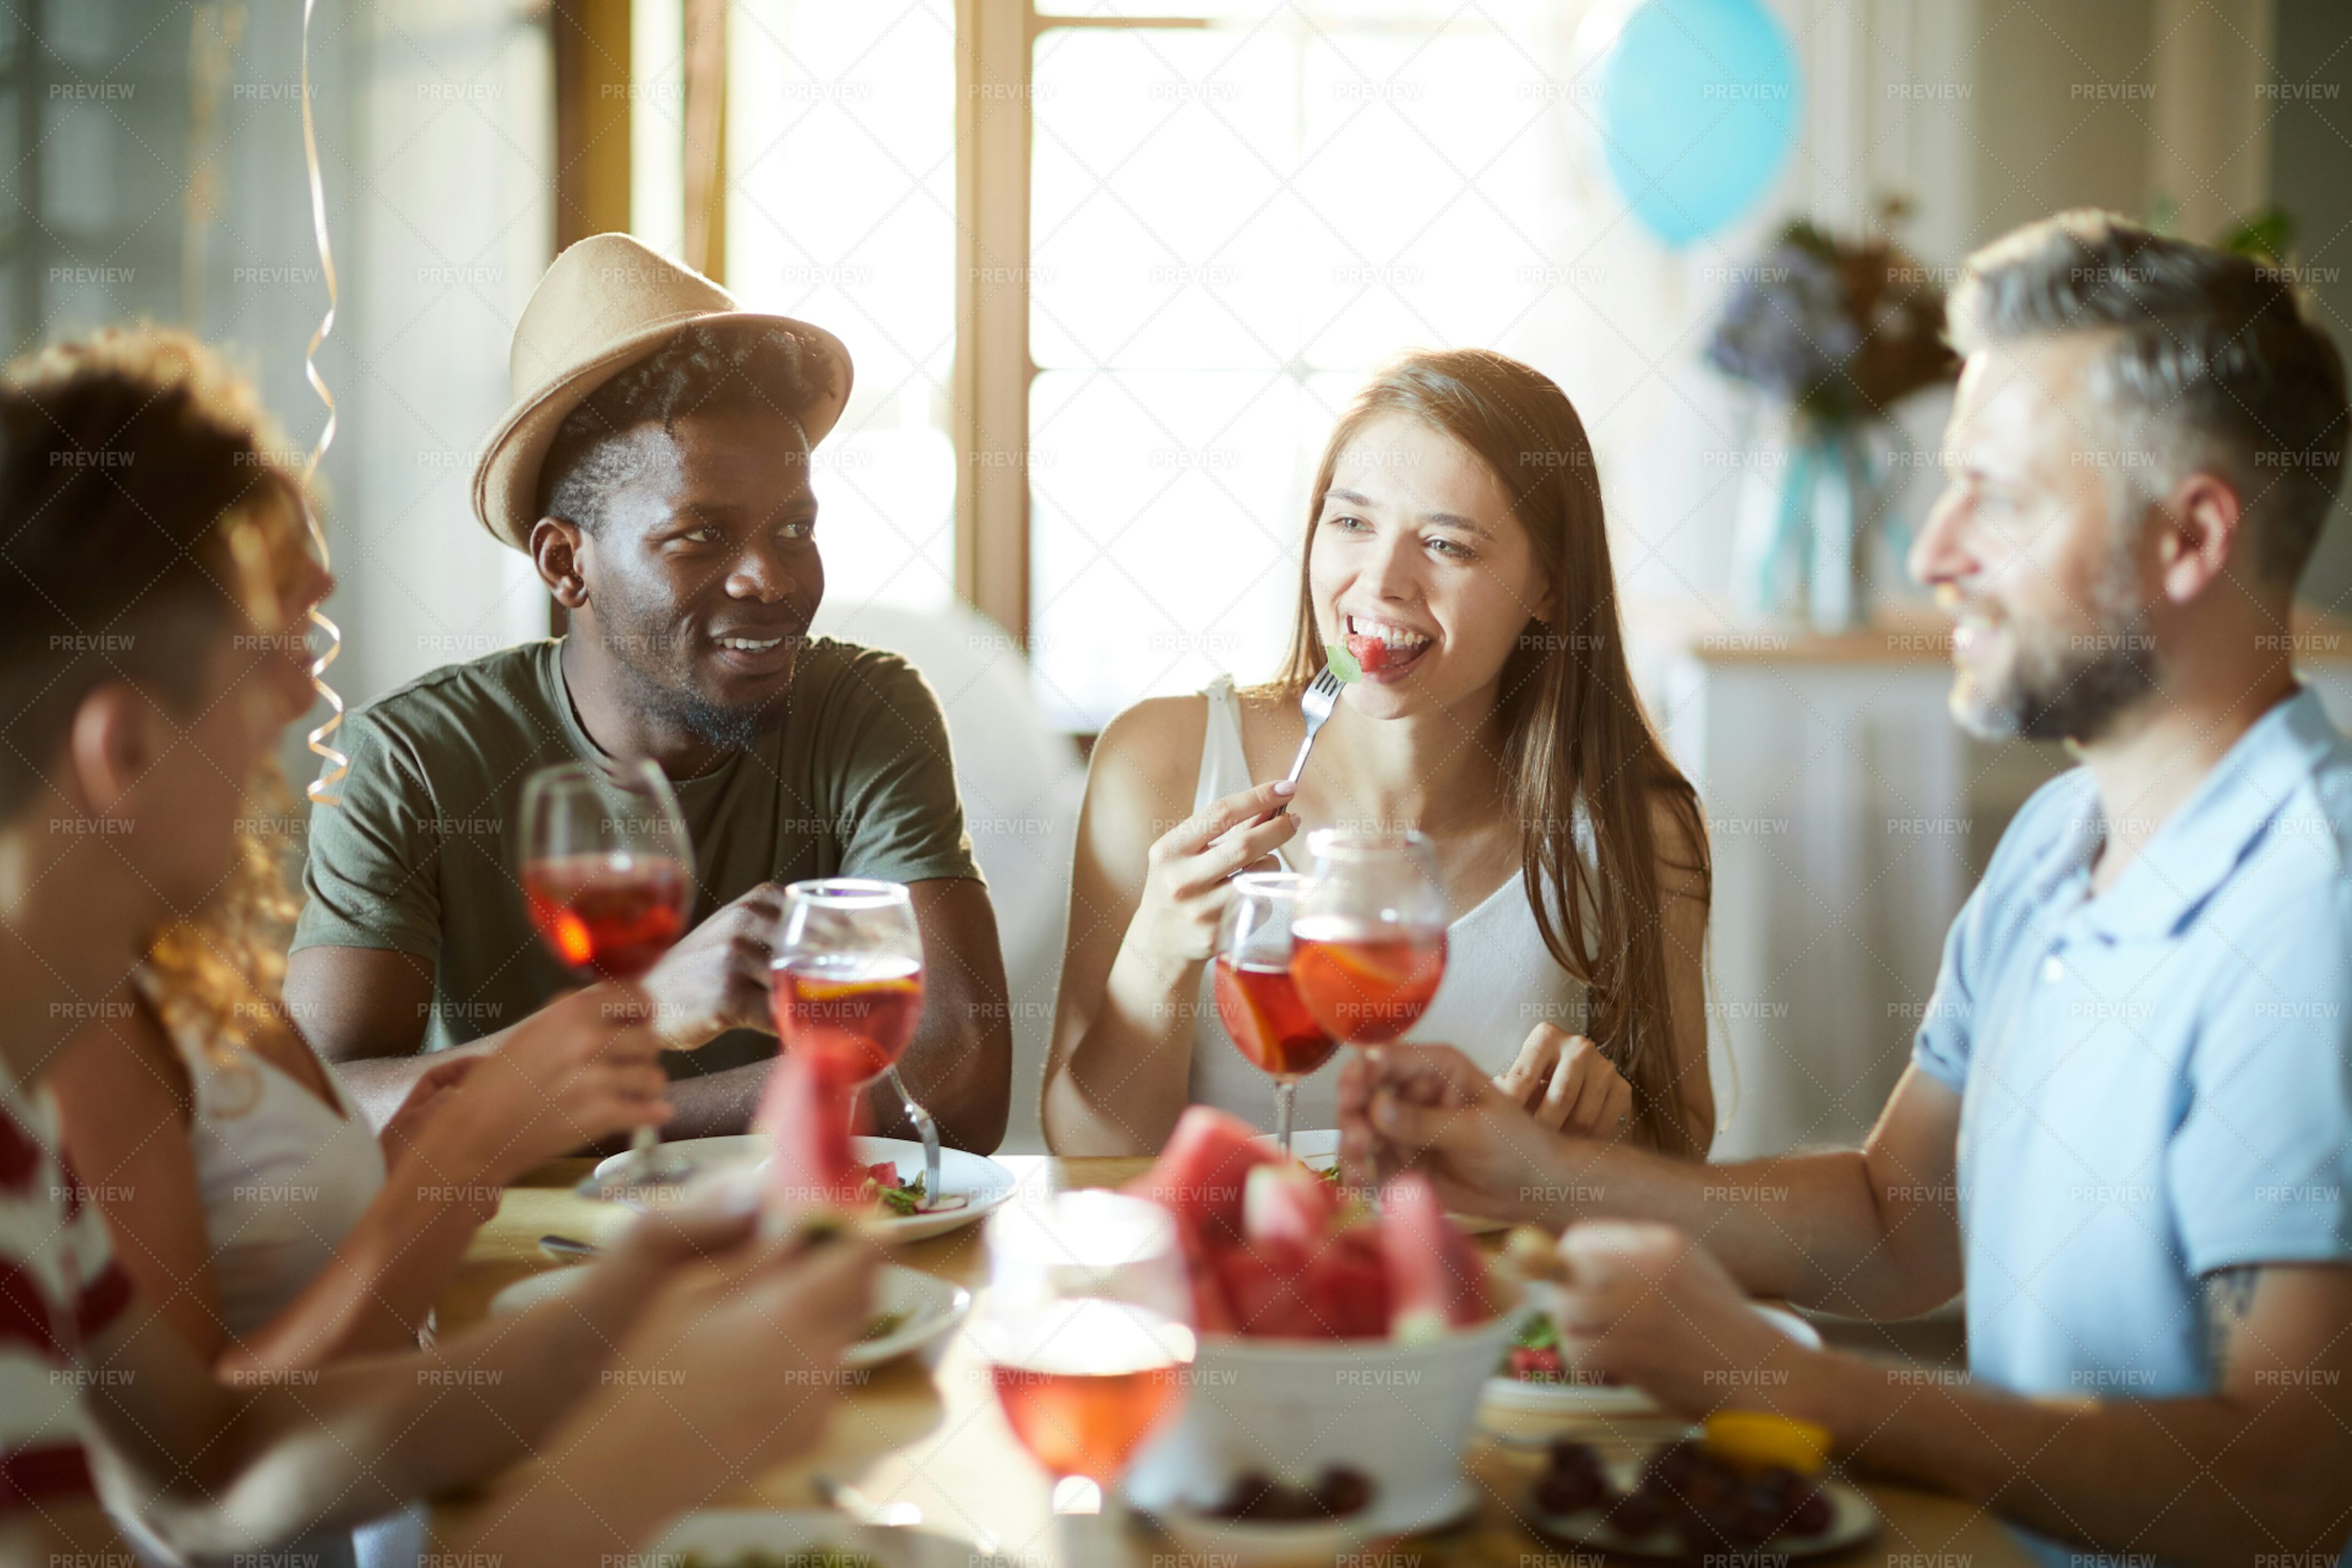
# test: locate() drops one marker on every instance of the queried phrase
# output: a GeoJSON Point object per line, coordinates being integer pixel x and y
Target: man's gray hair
{"type": "Point", "coordinates": [2212, 366]}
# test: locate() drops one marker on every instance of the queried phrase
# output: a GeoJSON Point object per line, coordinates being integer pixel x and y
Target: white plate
{"type": "Point", "coordinates": [1507, 1393]}
{"type": "Point", "coordinates": [722, 1533]}
{"type": "Point", "coordinates": [1386, 1518]}
{"type": "Point", "coordinates": [930, 1307]}
{"type": "Point", "coordinates": [1853, 1521]}
{"type": "Point", "coordinates": [975, 1177]}
{"type": "Point", "coordinates": [1246, 1543]}
{"type": "Point", "coordinates": [1318, 1149]}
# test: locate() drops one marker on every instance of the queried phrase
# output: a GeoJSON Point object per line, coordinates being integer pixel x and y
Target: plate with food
{"type": "Point", "coordinates": [1535, 1374]}
{"type": "Point", "coordinates": [1754, 1489]}
{"type": "Point", "coordinates": [1319, 1150]}
{"type": "Point", "coordinates": [911, 1309]}
{"type": "Point", "coordinates": [806, 1538]}
{"type": "Point", "coordinates": [969, 1184]}
{"type": "Point", "coordinates": [1262, 1522]}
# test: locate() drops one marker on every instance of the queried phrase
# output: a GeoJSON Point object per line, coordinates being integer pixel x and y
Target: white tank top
{"type": "Point", "coordinates": [1500, 980]}
{"type": "Point", "coordinates": [284, 1178]}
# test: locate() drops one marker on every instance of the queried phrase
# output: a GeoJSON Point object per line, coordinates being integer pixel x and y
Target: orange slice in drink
{"type": "Point", "coordinates": [809, 990]}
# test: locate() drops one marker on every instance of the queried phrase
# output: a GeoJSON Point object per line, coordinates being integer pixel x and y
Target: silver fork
{"type": "Point", "coordinates": [1322, 695]}
{"type": "Point", "coordinates": [930, 1134]}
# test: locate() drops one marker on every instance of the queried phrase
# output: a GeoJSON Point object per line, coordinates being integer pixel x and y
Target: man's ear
{"type": "Point", "coordinates": [110, 746]}
{"type": "Point", "coordinates": [555, 550]}
{"type": "Point", "coordinates": [2202, 530]}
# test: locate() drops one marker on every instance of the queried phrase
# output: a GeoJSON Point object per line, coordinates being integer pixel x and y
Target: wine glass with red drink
{"type": "Point", "coordinates": [608, 879]}
{"type": "Point", "coordinates": [1087, 1331]}
{"type": "Point", "coordinates": [847, 984]}
{"type": "Point", "coordinates": [1256, 999]}
{"type": "Point", "coordinates": [1367, 937]}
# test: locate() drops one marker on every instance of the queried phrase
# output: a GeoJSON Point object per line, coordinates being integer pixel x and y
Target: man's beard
{"type": "Point", "coordinates": [2070, 686]}
{"type": "Point", "coordinates": [670, 696]}
{"type": "Point", "coordinates": [712, 723]}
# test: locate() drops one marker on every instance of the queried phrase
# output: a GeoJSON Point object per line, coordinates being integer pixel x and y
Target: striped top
{"type": "Point", "coordinates": [60, 1287]}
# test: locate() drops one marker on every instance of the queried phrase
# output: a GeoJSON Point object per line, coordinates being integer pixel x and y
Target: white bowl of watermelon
{"type": "Point", "coordinates": [1329, 1335]}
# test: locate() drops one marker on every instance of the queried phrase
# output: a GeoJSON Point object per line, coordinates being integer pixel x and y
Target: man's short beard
{"type": "Point", "coordinates": [731, 728]}
{"type": "Point", "coordinates": [712, 723]}
{"type": "Point", "coordinates": [2060, 692]}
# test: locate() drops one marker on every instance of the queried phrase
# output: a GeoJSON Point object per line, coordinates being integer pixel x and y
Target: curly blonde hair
{"type": "Point", "coordinates": [219, 977]}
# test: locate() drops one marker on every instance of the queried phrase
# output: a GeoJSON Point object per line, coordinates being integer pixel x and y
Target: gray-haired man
{"type": "Point", "coordinates": [2127, 1123]}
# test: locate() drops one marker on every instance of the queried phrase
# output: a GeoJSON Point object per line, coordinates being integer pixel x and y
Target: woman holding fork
{"type": "Point", "coordinates": [1456, 522]}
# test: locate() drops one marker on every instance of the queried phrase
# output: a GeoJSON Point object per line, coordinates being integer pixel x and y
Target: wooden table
{"type": "Point", "coordinates": [934, 1437]}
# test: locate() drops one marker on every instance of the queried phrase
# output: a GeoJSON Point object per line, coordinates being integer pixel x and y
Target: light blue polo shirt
{"type": "Point", "coordinates": [2156, 1081]}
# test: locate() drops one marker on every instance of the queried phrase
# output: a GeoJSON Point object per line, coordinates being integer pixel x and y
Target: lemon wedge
{"type": "Point", "coordinates": [1755, 1439]}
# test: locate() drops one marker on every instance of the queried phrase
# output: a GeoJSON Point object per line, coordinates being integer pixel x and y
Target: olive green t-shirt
{"type": "Point", "coordinates": [422, 854]}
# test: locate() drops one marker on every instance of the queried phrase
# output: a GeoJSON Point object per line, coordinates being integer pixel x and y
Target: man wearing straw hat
{"type": "Point", "coordinates": [655, 468]}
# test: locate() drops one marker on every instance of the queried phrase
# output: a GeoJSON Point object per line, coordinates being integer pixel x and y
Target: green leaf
{"type": "Point", "coordinates": [1343, 663]}
{"type": "Point", "coordinates": [905, 1200]}
{"type": "Point", "coordinates": [2264, 237]}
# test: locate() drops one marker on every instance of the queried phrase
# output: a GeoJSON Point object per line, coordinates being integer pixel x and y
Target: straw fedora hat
{"type": "Point", "coordinates": [604, 304]}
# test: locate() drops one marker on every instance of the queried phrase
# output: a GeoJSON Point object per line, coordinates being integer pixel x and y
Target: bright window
{"type": "Point", "coordinates": [1229, 226]}
{"type": "Point", "coordinates": [841, 211]}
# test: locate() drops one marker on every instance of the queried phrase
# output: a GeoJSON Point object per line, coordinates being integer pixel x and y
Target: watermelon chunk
{"type": "Point", "coordinates": [1204, 1169]}
{"type": "Point", "coordinates": [1267, 1290]}
{"type": "Point", "coordinates": [812, 1163]}
{"type": "Point", "coordinates": [1435, 1278]}
{"type": "Point", "coordinates": [1286, 1202]}
{"type": "Point", "coordinates": [1347, 1285]}
{"type": "Point", "coordinates": [1211, 1314]}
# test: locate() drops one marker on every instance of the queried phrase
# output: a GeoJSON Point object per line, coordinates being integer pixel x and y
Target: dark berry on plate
{"type": "Point", "coordinates": [1342, 1491]}
{"type": "Point", "coordinates": [1814, 1516]}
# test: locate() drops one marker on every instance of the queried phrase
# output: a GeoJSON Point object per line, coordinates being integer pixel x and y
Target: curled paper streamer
{"type": "Point", "coordinates": [336, 765]}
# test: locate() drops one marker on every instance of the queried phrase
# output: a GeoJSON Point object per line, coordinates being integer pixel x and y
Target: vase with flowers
{"type": "Point", "coordinates": [1834, 331]}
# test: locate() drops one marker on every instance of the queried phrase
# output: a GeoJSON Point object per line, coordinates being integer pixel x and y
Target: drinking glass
{"type": "Point", "coordinates": [608, 879]}
{"type": "Point", "coordinates": [1257, 998]}
{"type": "Point", "coordinates": [1086, 1329]}
{"type": "Point", "coordinates": [1367, 937]}
{"type": "Point", "coordinates": [847, 985]}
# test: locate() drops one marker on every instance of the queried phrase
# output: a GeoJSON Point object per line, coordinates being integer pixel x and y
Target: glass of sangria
{"type": "Point", "coordinates": [1368, 936]}
{"type": "Point", "coordinates": [847, 984]}
{"type": "Point", "coordinates": [1087, 1331]}
{"type": "Point", "coordinates": [608, 881]}
{"type": "Point", "coordinates": [1256, 999]}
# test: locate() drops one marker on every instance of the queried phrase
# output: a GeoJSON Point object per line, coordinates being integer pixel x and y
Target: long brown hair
{"type": "Point", "coordinates": [1575, 730]}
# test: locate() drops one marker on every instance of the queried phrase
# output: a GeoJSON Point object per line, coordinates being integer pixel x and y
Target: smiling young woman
{"type": "Point", "coordinates": [1456, 545]}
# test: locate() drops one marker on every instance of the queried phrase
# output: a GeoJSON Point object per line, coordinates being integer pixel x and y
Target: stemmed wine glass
{"type": "Point", "coordinates": [1367, 938]}
{"type": "Point", "coordinates": [608, 878]}
{"type": "Point", "coordinates": [1087, 1331]}
{"type": "Point", "coordinates": [1257, 998]}
{"type": "Point", "coordinates": [848, 987]}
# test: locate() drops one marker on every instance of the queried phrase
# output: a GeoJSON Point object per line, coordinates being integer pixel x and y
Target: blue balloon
{"type": "Point", "coordinates": [1698, 109]}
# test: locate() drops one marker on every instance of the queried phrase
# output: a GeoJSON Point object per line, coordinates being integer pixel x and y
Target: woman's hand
{"type": "Point", "coordinates": [740, 1354]}
{"type": "Point", "coordinates": [1184, 887]}
{"type": "Point", "coordinates": [1564, 1081]}
{"type": "Point", "coordinates": [427, 1095]}
{"type": "Point", "coordinates": [582, 1067]}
